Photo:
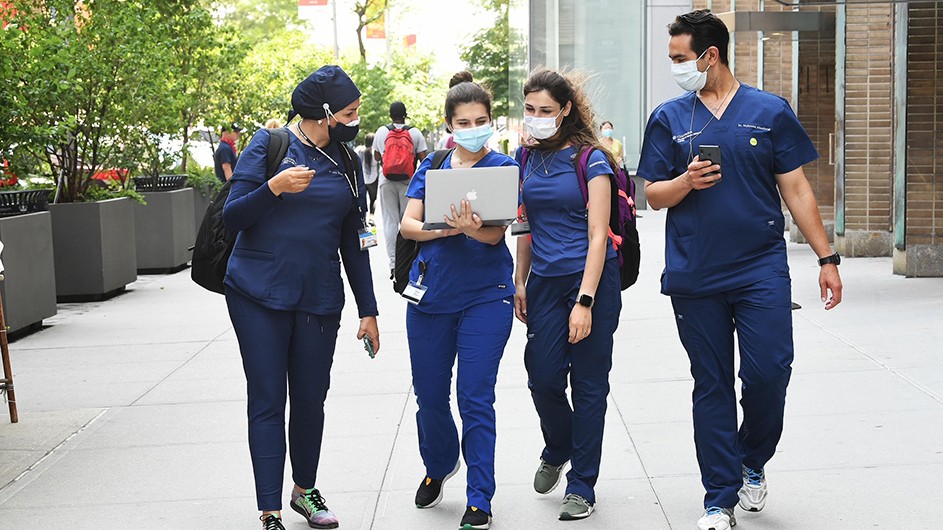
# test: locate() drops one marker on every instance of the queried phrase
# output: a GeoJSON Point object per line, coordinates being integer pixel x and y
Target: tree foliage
{"type": "Point", "coordinates": [368, 12]}
{"type": "Point", "coordinates": [82, 81]}
{"type": "Point", "coordinates": [487, 55]}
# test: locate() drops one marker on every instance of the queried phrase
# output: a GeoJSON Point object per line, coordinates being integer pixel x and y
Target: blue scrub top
{"type": "Point", "coordinates": [286, 253]}
{"type": "Point", "coordinates": [556, 211]}
{"type": "Point", "coordinates": [460, 271]}
{"type": "Point", "coordinates": [730, 235]}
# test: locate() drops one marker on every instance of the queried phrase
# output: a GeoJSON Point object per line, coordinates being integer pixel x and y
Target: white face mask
{"type": "Point", "coordinates": [688, 76]}
{"type": "Point", "coordinates": [541, 128]}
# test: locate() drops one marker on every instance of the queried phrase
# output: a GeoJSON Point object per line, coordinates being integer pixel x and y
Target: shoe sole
{"type": "Point", "coordinates": [571, 517]}
{"type": "Point", "coordinates": [557, 483]}
{"type": "Point", "coordinates": [458, 465]}
{"type": "Point", "coordinates": [304, 514]}
{"type": "Point", "coordinates": [485, 526]}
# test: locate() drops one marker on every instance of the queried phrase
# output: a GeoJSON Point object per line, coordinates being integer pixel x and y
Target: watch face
{"type": "Point", "coordinates": [586, 300]}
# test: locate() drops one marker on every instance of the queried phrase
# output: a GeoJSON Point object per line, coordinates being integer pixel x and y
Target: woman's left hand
{"type": "Point", "coordinates": [368, 326]}
{"type": "Point", "coordinates": [581, 323]}
{"type": "Point", "coordinates": [464, 219]}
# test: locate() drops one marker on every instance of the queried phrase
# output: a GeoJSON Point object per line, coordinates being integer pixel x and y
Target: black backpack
{"type": "Point", "coordinates": [406, 249]}
{"type": "Point", "coordinates": [213, 242]}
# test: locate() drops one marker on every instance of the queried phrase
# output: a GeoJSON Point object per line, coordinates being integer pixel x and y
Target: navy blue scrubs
{"type": "Point", "coordinates": [560, 237]}
{"type": "Point", "coordinates": [726, 271]}
{"type": "Point", "coordinates": [285, 295]}
{"type": "Point", "coordinates": [466, 312]}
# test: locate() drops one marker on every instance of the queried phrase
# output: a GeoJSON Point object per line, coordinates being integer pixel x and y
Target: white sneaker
{"type": "Point", "coordinates": [753, 492]}
{"type": "Point", "coordinates": [717, 519]}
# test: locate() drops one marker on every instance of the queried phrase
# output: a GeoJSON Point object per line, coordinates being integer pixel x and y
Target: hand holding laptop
{"type": "Point", "coordinates": [464, 219]}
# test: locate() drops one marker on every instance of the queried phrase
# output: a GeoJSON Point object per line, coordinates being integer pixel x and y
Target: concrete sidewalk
{"type": "Point", "coordinates": [132, 416]}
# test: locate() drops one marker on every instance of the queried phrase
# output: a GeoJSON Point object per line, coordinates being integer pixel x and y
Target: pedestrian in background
{"type": "Point", "coordinates": [226, 154]}
{"type": "Point", "coordinates": [725, 255]}
{"type": "Point", "coordinates": [466, 311]}
{"type": "Point", "coordinates": [611, 144]}
{"type": "Point", "coordinates": [284, 288]}
{"type": "Point", "coordinates": [371, 171]}
{"type": "Point", "coordinates": [397, 147]}
{"type": "Point", "coordinates": [568, 287]}
{"type": "Point", "coordinates": [273, 123]}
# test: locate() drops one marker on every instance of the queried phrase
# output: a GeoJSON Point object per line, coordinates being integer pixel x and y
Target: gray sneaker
{"type": "Point", "coordinates": [547, 477]}
{"type": "Point", "coordinates": [575, 507]}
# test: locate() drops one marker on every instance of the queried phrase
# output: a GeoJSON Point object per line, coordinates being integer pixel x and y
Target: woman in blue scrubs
{"type": "Point", "coordinates": [284, 288]}
{"type": "Point", "coordinates": [465, 310]}
{"type": "Point", "coordinates": [568, 290]}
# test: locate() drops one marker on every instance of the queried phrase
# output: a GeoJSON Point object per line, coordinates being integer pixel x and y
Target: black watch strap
{"type": "Point", "coordinates": [833, 259]}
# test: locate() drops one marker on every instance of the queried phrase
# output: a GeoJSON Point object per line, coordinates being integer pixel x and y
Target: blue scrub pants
{"type": "Point", "coordinates": [478, 336]}
{"type": "Point", "coordinates": [761, 315]}
{"type": "Point", "coordinates": [283, 350]}
{"type": "Point", "coordinates": [573, 434]}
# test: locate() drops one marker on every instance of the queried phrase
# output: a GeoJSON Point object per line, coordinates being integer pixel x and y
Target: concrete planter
{"type": "Point", "coordinates": [29, 288]}
{"type": "Point", "coordinates": [164, 230]}
{"type": "Point", "coordinates": [94, 248]}
{"type": "Point", "coordinates": [201, 201]}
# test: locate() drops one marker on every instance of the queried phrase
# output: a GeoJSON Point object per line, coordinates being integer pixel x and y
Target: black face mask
{"type": "Point", "coordinates": [344, 133]}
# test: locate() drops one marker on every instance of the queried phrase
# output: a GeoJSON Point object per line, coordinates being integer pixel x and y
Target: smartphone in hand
{"type": "Point", "coordinates": [368, 345]}
{"type": "Point", "coordinates": [710, 153]}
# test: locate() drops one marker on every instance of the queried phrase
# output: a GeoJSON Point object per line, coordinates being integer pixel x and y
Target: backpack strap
{"type": "Point", "coordinates": [582, 165]}
{"type": "Point", "coordinates": [277, 147]}
{"type": "Point", "coordinates": [439, 157]}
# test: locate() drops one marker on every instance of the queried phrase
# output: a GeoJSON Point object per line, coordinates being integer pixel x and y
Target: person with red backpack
{"type": "Point", "coordinates": [397, 147]}
{"type": "Point", "coordinates": [567, 284]}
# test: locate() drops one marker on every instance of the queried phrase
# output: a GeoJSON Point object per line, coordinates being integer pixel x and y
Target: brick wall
{"type": "Point", "coordinates": [816, 111]}
{"type": "Point", "coordinates": [925, 124]}
{"type": "Point", "coordinates": [868, 119]}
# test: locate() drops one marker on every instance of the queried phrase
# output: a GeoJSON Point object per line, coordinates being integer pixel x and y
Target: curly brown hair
{"type": "Point", "coordinates": [578, 127]}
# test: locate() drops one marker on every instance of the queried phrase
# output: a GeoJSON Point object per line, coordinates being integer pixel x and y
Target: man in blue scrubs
{"type": "Point", "coordinates": [725, 255]}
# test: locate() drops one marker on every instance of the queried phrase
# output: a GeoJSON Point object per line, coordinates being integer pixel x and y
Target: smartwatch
{"type": "Point", "coordinates": [585, 300]}
{"type": "Point", "coordinates": [834, 259]}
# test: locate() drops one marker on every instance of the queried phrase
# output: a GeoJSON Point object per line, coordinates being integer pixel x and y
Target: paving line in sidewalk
{"type": "Point", "coordinates": [926, 390]}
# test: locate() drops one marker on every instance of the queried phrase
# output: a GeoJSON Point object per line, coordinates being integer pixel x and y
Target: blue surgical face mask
{"type": "Point", "coordinates": [607, 133]}
{"type": "Point", "coordinates": [473, 139]}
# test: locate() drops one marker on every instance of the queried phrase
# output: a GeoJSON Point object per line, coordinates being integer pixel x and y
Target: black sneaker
{"type": "Point", "coordinates": [475, 519]}
{"type": "Point", "coordinates": [430, 490]}
{"type": "Point", "coordinates": [271, 522]}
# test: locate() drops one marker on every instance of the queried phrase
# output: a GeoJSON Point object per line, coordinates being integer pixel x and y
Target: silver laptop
{"type": "Point", "coordinates": [492, 192]}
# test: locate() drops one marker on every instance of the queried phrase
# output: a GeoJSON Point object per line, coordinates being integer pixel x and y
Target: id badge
{"type": "Point", "coordinates": [520, 228]}
{"type": "Point", "coordinates": [414, 292]}
{"type": "Point", "coordinates": [367, 239]}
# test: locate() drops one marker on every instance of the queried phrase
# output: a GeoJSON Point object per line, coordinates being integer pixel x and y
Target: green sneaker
{"type": "Point", "coordinates": [575, 507]}
{"type": "Point", "coordinates": [547, 477]}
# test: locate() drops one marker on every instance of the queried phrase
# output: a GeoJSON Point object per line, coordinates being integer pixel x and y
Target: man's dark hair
{"type": "Point", "coordinates": [398, 110]}
{"type": "Point", "coordinates": [705, 29]}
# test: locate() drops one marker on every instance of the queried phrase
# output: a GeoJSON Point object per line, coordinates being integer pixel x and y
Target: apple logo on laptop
{"type": "Point", "coordinates": [472, 195]}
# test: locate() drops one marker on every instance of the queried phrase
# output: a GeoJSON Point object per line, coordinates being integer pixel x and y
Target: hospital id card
{"type": "Point", "coordinates": [414, 292]}
{"type": "Point", "coordinates": [367, 239]}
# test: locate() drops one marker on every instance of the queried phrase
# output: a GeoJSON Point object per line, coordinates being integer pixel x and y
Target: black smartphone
{"type": "Point", "coordinates": [712, 153]}
{"type": "Point", "coordinates": [368, 345]}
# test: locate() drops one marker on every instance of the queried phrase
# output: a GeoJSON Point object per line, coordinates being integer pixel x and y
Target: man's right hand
{"type": "Point", "coordinates": [695, 176]}
{"type": "Point", "coordinates": [292, 180]}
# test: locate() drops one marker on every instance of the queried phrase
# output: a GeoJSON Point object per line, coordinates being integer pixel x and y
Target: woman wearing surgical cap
{"type": "Point", "coordinates": [284, 287]}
